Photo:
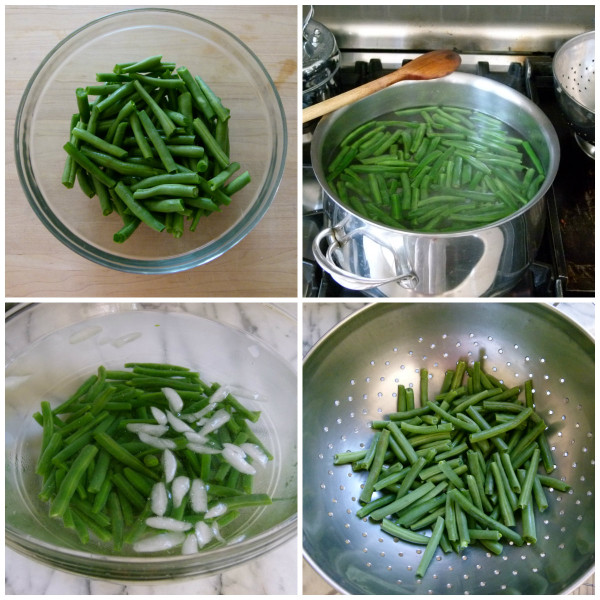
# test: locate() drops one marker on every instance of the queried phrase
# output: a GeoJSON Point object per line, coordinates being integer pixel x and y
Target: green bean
{"type": "Point", "coordinates": [510, 473]}
{"type": "Point", "coordinates": [505, 510]}
{"type": "Point", "coordinates": [163, 119]}
{"type": "Point", "coordinates": [120, 166]}
{"type": "Point", "coordinates": [117, 521]}
{"type": "Point", "coordinates": [539, 494]}
{"type": "Point", "coordinates": [403, 502]}
{"type": "Point", "coordinates": [71, 481]}
{"type": "Point", "coordinates": [411, 476]}
{"type": "Point", "coordinates": [527, 513]}
{"type": "Point", "coordinates": [402, 533]}
{"type": "Point", "coordinates": [99, 531]}
{"type": "Point", "coordinates": [484, 519]}
{"type": "Point", "coordinates": [196, 92]}
{"type": "Point", "coordinates": [431, 547]}
{"type": "Point", "coordinates": [503, 428]}
{"type": "Point", "coordinates": [136, 208]}
{"type": "Point", "coordinates": [554, 483]}
{"type": "Point", "coordinates": [128, 491]}
{"type": "Point", "coordinates": [211, 144]}
{"type": "Point", "coordinates": [147, 64]}
{"type": "Point", "coordinates": [157, 141]}
{"type": "Point", "coordinates": [403, 442]}
{"type": "Point", "coordinates": [175, 190]}
{"type": "Point", "coordinates": [84, 162]}
{"type": "Point", "coordinates": [116, 97]}
{"type": "Point", "coordinates": [122, 455]}
{"type": "Point", "coordinates": [44, 463]}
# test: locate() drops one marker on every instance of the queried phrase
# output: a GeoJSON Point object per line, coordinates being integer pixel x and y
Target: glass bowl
{"type": "Point", "coordinates": [52, 348]}
{"type": "Point", "coordinates": [257, 129]}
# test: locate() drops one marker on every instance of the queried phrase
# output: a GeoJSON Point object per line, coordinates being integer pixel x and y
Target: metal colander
{"type": "Point", "coordinates": [575, 83]}
{"type": "Point", "coordinates": [351, 377]}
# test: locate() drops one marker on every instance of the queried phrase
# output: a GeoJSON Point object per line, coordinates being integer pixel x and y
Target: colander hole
{"type": "Point", "coordinates": [444, 336]}
{"type": "Point", "coordinates": [352, 382]}
{"type": "Point", "coordinates": [337, 403]}
{"type": "Point", "coordinates": [527, 359]}
{"type": "Point", "coordinates": [500, 351]}
{"type": "Point", "coordinates": [395, 350]}
{"type": "Point", "coordinates": [372, 362]}
{"type": "Point", "coordinates": [432, 346]}
{"type": "Point", "coordinates": [325, 429]}
{"type": "Point", "coordinates": [402, 367]}
{"type": "Point", "coordinates": [347, 541]}
{"type": "Point", "coordinates": [458, 344]}
{"type": "Point", "coordinates": [367, 379]}
{"type": "Point", "coordinates": [368, 564]}
{"type": "Point", "coordinates": [387, 363]}
{"type": "Point", "coordinates": [330, 514]}
{"type": "Point", "coordinates": [445, 355]}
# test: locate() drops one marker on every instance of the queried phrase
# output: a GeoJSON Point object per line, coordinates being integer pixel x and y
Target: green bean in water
{"type": "Point", "coordinates": [435, 169]}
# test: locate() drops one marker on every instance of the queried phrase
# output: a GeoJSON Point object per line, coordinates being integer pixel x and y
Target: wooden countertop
{"type": "Point", "coordinates": [264, 264]}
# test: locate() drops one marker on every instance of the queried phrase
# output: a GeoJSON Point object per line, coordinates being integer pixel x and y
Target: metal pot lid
{"type": "Point", "coordinates": [320, 53]}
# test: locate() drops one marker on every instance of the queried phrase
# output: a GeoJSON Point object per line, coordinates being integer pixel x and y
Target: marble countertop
{"type": "Point", "coordinates": [320, 317]}
{"type": "Point", "coordinates": [278, 329]}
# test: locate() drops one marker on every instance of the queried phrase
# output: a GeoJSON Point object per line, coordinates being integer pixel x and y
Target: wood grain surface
{"type": "Point", "coordinates": [264, 264]}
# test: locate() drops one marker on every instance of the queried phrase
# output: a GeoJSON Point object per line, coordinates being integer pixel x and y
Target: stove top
{"type": "Point", "coordinates": [565, 263]}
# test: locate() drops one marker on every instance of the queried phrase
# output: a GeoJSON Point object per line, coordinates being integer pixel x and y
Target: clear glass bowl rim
{"type": "Point", "coordinates": [182, 262]}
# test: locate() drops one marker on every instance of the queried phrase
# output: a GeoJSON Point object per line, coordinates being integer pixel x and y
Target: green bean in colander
{"type": "Point", "coordinates": [353, 379]}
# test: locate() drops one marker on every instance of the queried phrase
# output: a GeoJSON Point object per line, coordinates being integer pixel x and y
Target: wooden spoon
{"type": "Point", "coordinates": [432, 65]}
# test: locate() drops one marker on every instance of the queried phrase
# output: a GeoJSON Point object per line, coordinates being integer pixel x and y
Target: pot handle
{"type": "Point", "coordinates": [346, 278]}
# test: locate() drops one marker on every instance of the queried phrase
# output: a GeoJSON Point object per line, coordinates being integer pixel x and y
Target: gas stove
{"type": "Point", "coordinates": [565, 263]}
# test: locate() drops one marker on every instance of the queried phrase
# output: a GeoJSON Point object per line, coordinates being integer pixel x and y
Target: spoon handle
{"type": "Point", "coordinates": [432, 65]}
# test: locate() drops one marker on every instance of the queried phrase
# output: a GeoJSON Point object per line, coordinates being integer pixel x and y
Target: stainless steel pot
{"type": "Point", "coordinates": [382, 261]}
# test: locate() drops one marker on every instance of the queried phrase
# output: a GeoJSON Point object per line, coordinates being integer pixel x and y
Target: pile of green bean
{"type": "Point", "coordinates": [465, 464]}
{"type": "Point", "coordinates": [151, 141]}
{"type": "Point", "coordinates": [149, 456]}
{"type": "Point", "coordinates": [435, 169]}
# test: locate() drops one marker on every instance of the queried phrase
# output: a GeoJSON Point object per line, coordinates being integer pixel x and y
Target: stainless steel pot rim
{"type": "Point", "coordinates": [464, 79]}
